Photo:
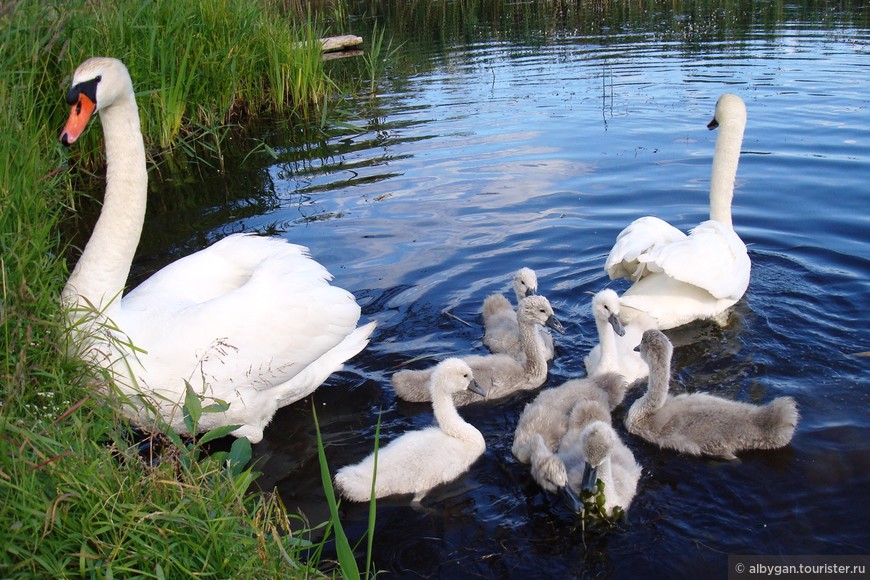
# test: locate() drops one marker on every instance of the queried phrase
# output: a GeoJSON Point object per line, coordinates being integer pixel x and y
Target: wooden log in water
{"type": "Point", "coordinates": [336, 43]}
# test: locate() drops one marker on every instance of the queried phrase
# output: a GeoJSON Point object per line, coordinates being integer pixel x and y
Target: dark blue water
{"type": "Point", "coordinates": [499, 154]}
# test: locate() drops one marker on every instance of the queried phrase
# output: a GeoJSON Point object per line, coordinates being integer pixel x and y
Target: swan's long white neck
{"type": "Point", "coordinates": [724, 172]}
{"type": "Point", "coordinates": [102, 271]}
{"type": "Point", "coordinates": [449, 419]}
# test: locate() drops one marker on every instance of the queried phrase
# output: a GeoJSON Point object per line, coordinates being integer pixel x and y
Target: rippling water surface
{"type": "Point", "coordinates": [491, 152]}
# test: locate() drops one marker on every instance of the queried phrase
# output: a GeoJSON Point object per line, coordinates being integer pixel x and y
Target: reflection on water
{"type": "Point", "coordinates": [529, 134]}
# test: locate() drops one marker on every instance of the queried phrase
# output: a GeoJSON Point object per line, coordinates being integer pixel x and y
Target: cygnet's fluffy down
{"type": "Point", "coordinates": [615, 350]}
{"type": "Point", "coordinates": [548, 415]}
{"type": "Point", "coordinates": [501, 330]}
{"type": "Point", "coordinates": [590, 451]}
{"type": "Point", "coordinates": [420, 460]}
{"type": "Point", "coordinates": [699, 423]}
{"type": "Point", "coordinates": [499, 374]}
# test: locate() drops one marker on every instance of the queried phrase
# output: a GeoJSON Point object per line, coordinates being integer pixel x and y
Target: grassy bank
{"type": "Point", "coordinates": [75, 498]}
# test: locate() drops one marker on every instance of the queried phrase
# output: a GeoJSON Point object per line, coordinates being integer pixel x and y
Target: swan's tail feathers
{"type": "Point", "coordinates": [777, 421]}
{"type": "Point", "coordinates": [354, 482]}
{"type": "Point", "coordinates": [306, 381]}
{"type": "Point", "coordinates": [411, 385]}
{"type": "Point", "coordinates": [495, 303]}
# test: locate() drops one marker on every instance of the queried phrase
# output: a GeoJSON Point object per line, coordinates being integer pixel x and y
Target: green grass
{"type": "Point", "coordinates": [75, 497]}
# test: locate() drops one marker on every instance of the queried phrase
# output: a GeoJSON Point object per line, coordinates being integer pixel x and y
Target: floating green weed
{"type": "Point", "coordinates": [593, 511]}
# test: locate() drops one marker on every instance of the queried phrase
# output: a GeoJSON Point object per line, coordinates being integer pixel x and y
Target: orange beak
{"type": "Point", "coordinates": [79, 116]}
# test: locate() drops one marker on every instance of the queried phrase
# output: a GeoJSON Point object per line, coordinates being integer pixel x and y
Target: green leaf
{"type": "Point", "coordinates": [218, 432]}
{"type": "Point", "coordinates": [216, 407]}
{"type": "Point", "coordinates": [240, 455]}
{"type": "Point", "coordinates": [192, 409]}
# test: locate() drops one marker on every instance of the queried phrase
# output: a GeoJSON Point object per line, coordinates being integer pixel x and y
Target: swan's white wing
{"type": "Point", "coordinates": [246, 312]}
{"type": "Point", "coordinates": [221, 268]}
{"type": "Point", "coordinates": [712, 257]}
{"type": "Point", "coordinates": [643, 235]}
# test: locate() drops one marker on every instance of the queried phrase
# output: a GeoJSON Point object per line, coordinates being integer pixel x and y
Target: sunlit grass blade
{"type": "Point", "coordinates": [344, 552]}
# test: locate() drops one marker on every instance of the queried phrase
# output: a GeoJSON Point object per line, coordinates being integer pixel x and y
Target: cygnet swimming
{"type": "Point", "coordinates": [590, 451]}
{"type": "Point", "coordinates": [499, 374]}
{"type": "Point", "coordinates": [700, 423]}
{"type": "Point", "coordinates": [420, 460]}
{"type": "Point", "coordinates": [501, 330]}
{"type": "Point", "coordinates": [615, 350]}
{"type": "Point", "coordinates": [548, 415]}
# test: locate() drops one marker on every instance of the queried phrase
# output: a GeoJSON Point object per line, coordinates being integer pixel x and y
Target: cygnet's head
{"type": "Point", "coordinates": [453, 375]}
{"type": "Point", "coordinates": [597, 439]}
{"type": "Point", "coordinates": [655, 348]}
{"type": "Point", "coordinates": [605, 307]}
{"type": "Point", "coordinates": [525, 283]}
{"type": "Point", "coordinates": [729, 109]}
{"type": "Point", "coordinates": [537, 309]}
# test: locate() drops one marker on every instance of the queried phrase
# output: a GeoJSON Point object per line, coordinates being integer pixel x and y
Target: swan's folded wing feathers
{"type": "Point", "coordinates": [639, 237]}
{"type": "Point", "coordinates": [224, 266]}
{"type": "Point", "coordinates": [713, 257]}
{"type": "Point", "coordinates": [221, 336]}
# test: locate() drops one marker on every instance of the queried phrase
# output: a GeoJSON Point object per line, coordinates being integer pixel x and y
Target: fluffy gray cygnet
{"type": "Point", "coordinates": [501, 330]}
{"type": "Point", "coordinates": [699, 423]}
{"type": "Point", "coordinates": [499, 374]}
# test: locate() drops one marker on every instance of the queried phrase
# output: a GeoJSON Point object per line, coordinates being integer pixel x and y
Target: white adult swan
{"type": "Point", "coordinates": [679, 278]}
{"type": "Point", "coordinates": [500, 374]}
{"type": "Point", "coordinates": [615, 349]}
{"type": "Point", "coordinates": [699, 423]}
{"type": "Point", "coordinates": [251, 321]}
{"type": "Point", "coordinates": [419, 460]}
{"type": "Point", "coordinates": [501, 331]}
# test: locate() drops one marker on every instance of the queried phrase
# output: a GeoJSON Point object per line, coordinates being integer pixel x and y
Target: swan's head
{"type": "Point", "coordinates": [729, 109]}
{"type": "Point", "coordinates": [605, 307]}
{"type": "Point", "coordinates": [597, 439]}
{"type": "Point", "coordinates": [537, 309]}
{"type": "Point", "coordinates": [525, 283]}
{"type": "Point", "coordinates": [453, 375]}
{"type": "Point", "coordinates": [655, 349]}
{"type": "Point", "coordinates": [97, 83]}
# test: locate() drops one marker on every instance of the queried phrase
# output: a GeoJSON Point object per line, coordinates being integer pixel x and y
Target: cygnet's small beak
{"type": "Point", "coordinates": [616, 323]}
{"type": "Point", "coordinates": [714, 124]}
{"type": "Point", "coordinates": [554, 323]}
{"type": "Point", "coordinates": [590, 478]}
{"type": "Point", "coordinates": [530, 292]}
{"type": "Point", "coordinates": [636, 349]}
{"type": "Point", "coordinates": [571, 498]}
{"type": "Point", "coordinates": [474, 387]}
